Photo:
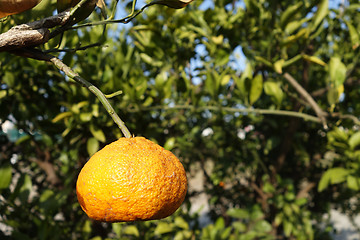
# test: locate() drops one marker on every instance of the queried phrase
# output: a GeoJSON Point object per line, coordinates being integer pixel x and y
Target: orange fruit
{"type": "Point", "coordinates": [10, 7]}
{"type": "Point", "coordinates": [131, 179]}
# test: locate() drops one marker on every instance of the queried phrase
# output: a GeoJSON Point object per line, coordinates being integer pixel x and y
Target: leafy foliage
{"type": "Point", "coordinates": [184, 83]}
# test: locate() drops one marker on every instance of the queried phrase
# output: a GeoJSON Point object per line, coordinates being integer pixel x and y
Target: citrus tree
{"type": "Point", "coordinates": [260, 97]}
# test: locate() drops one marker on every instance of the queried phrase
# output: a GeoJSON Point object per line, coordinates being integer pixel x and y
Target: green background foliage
{"type": "Point", "coordinates": [268, 174]}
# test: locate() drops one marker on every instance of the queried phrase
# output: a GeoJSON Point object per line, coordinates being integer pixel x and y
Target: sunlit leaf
{"type": "Point", "coordinates": [353, 182]}
{"type": "Point", "coordinates": [92, 146]}
{"type": "Point", "coordinates": [256, 88]}
{"type": "Point", "coordinates": [6, 176]}
{"type": "Point", "coordinates": [274, 90]}
{"type": "Point", "coordinates": [321, 13]}
{"type": "Point", "coordinates": [332, 176]}
{"type": "Point", "coordinates": [262, 226]}
{"type": "Point", "coordinates": [163, 228]}
{"type": "Point", "coordinates": [354, 140]}
{"type": "Point", "coordinates": [289, 13]}
{"type": "Point", "coordinates": [97, 133]}
{"type": "Point", "coordinates": [61, 116]}
{"type": "Point", "coordinates": [131, 230]}
{"type": "Point", "coordinates": [314, 59]}
{"type": "Point", "coordinates": [181, 223]}
{"type": "Point", "coordinates": [354, 35]}
{"type": "Point", "coordinates": [337, 71]}
{"type": "Point", "coordinates": [238, 213]}
{"type": "Point", "coordinates": [278, 66]}
{"type": "Point", "coordinates": [170, 143]}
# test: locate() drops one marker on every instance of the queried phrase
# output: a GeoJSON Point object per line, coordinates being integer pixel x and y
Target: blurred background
{"type": "Point", "coordinates": [259, 99]}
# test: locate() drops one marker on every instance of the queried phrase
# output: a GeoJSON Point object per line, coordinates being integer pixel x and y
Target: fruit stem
{"type": "Point", "coordinates": [75, 76]}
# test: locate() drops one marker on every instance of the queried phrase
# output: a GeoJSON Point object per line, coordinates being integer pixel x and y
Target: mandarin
{"type": "Point", "coordinates": [10, 7]}
{"type": "Point", "coordinates": [131, 179]}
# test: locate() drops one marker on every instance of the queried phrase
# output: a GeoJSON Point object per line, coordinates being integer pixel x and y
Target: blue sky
{"type": "Point", "coordinates": [238, 60]}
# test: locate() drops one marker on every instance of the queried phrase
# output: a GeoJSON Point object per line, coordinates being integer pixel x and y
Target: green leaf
{"type": "Point", "coordinates": [181, 223]}
{"type": "Point", "coordinates": [9, 79]}
{"type": "Point", "coordinates": [332, 176]}
{"type": "Point", "coordinates": [97, 133]}
{"type": "Point", "coordinates": [256, 213]}
{"type": "Point", "coordinates": [131, 230]}
{"type": "Point", "coordinates": [116, 227]}
{"type": "Point", "coordinates": [225, 79]}
{"type": "Point", "coordinates": [289, 196]}
{"type": "Point", "coordinates": [238, 213]}
{"type": "Point", "coordinates": [354, 35]}
{"type": "Point", "coordinates": [337, 71]}
{"type": "Point", "coordinates": [85, 117]}
{"type": "Point", "coordinates": [76, 107]}
{"type": "Point", "coordinates": [61, 116]}
{"type": "Point", "coordinates": [294, 25]}
{"type": "Point", "coordinates": [353, 6]}
{"type": "Point", "coordinates": [92, 146]}
{"type": "Point", "coordinates": [241, 81]}
{"type": "Point", "coordinates": [241, 227]}
{"type": "Point", "coordinates": [321, 13]}
{"type": "Point", "coordinates": [294, 38]}
{"type": "Point", "coordinates": [288, 228]}
{"type": "Point", "coordinates": [278, 219]}
{"type": "Point", "coordinates": [5, 173]}
{"type": "Point", "coordinates": [170, 143]}
{"type": "Point", "coordinates": [86, 229]}
{"type": "Point", "coordinates": [287, 210]}
{"type": "Point", "coordinates": [288, 14]}
{"type": "Point", "coordinates": [226, 233]}
{"type": "Point", "coordinates": [353, 182]}
{"type": "Point", "coordinates": [96, 238]}
{"type": "Point", "coordinates": [163, 228]}
{"type": "Point", "coordinates": [314, 59]}
{"type": "Point", "coordinates": [301, 201]}
{"type": "Point", "coordinates": [262, 226]}
{"type": "Point", "coordinates": [149, 60]}
{"type": "Point", "coordinates": [220, 223]}
{"type": "Point", "coordinates": [354, 140]}
{"type": "Point", "coordinates": [274, 90]}
{"type": "Point", "coordinates": [256, 88]}
{"type": "Point", "coordinates": [268, 188]}
{"type": "Point", "coordinates": [24, 187]}
{"type": "Point", "coordinates": [332, 95]}
{"type": "Point", "coordinates": [48, 202]}
{"type": "Point", "coordinates": [278, 66]}
{"type": "Point", "coordinates": [3, 93]}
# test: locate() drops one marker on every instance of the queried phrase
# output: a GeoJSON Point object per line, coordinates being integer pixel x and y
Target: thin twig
{"type": "Point", "coordinates": [36, 54]}
{"type": "Point", "coordinates": [319, 112]}
{"type": "Point", "coordinates": [124, 20]}
{"type": "Point", "coordinates": [347, 116]}
{"type": "Point", "coordinates": [303, 192]}
{"type": "Point", "coordinates": [304, 116]}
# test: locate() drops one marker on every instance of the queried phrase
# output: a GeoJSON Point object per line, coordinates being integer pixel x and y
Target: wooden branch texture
{"type": "Point", "coordinates": [31, 34]}
{"type": "Point", "coordinates": [19, 38]}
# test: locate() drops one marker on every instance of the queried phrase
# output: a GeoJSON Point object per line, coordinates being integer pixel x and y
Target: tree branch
{"type": "Point", "coordinates": [303, 192]}
{"type": "Point", "coordinates": [319, 112]}
{"type": "Point", "coordinates": [37, 32]}
{"type": "Point", "coordinates": [38, 55]}
{"type": "Point", "coordinates": [304, 116]}
{"type": "Point", "coordinates": [19, 38]}
{"type": "Point", "coordinates": [31, 34]}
